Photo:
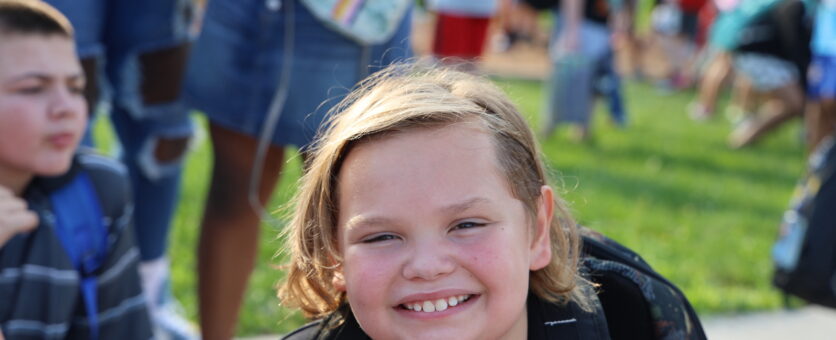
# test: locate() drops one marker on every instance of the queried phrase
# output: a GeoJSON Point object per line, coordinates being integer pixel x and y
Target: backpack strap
{"type": "Point", "coordinates": [79, 226]}
{"type": "Point", "coordinates": [627, 273]}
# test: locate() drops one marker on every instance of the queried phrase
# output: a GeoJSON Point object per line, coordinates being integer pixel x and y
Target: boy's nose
{"type": "Point", "coordinates": [65, 104]}
{"type": "Point", "coordinates": [428, 262]}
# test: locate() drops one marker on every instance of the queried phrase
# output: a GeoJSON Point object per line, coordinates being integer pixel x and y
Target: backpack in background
{"type": "Point", "coordinates": [365, 22]}
{"type": "Point", "coordinates": [638, 302]}
{"type": "Point", "coordinates": [805, 253]}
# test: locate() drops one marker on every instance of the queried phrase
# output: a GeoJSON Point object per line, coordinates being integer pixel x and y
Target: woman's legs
{"type": "Point", "coordinates": [744, 101]}
{"type": "Point", "coordinates": [230, 228]}
{"type": "Point", "coordinates": [154, 131]}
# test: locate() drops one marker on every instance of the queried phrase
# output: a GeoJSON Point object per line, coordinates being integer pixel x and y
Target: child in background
{"type": "Point", "coordinates": [820, 118]}
{"type": "Point", "coordinates": [772, 56]}
{"type": "Point", "coordinates": [42, 118]}
{"type": "Point", "coordinates": [426, 212]}
{"type": "Point", "coordinates": [581, 46]}
{"type": "Point", "coordinates": [134, 54]}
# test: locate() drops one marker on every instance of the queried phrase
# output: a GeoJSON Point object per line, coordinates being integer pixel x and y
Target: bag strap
{"type": "Point", "coordinates": [610, 250]}
{"type": "Point", "coordinates": [79, 226]}
{"type": "Point", "coordinates": [822, 160]}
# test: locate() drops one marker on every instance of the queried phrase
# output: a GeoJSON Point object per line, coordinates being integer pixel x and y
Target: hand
{"type": "Point", "coordinates": [523, 17]}
{"type": "Point", "coordinates": [15, 217]}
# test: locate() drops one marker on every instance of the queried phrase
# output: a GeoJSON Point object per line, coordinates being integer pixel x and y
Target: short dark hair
{"type": "Point", "coordinates": [33, 17]}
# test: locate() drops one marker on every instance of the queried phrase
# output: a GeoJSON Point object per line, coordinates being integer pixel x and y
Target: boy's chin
{"type": "Point", "coordinates": [55, 169]}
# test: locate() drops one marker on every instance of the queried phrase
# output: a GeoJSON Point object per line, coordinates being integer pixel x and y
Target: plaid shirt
{"type": "Point", "coordinates": [40, 296]}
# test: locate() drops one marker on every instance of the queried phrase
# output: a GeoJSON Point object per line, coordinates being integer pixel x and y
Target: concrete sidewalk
{"type": "Point", "coordinates": [811, 322]}
{"type": "Point", "coordinates": [808, 323]}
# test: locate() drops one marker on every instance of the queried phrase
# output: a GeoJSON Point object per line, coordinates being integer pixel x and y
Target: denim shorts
{"type": "Point", "coordinates": [765, 72]}
{"type": "Point", "coordinates": [821, 78]}
{"type": "Point", "coordinates": [118, 31]}
{"type": "Point", "coordinates": [145, 25]}
{"type": "Point", "coordinates": [236, 66]}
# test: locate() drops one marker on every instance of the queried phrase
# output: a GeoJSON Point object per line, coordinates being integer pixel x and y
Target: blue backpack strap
{"type": "Point", "coordinates": [79, 226]}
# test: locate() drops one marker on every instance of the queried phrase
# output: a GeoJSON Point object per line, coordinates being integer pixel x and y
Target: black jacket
{"type": "Point", "coordinates": [545, 321]}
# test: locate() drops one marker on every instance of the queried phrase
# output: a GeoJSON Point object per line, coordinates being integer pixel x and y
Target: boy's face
{"type": "Point", "coordinates": [42, 110]}
{"type": "Point", "coordinates": [427, 216]}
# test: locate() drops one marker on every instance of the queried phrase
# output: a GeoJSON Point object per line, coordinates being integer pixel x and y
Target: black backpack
{"type": "Point", "coordinates": [638, 302]}
{"type": "Point", "coordinates": [805, 253]}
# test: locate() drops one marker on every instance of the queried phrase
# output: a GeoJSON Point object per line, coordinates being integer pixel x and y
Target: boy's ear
{"type": "Point", "coordinates": [541, 245]}
{"type": "Point", "coordinates": [338, 281]}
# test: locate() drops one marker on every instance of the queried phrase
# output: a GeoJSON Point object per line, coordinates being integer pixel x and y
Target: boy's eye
{"type": "Point", "coordinates": [31, 89]}
{"type": "Point", "coordinates": [379, 238]}
{"type": "Point", "coordinates": [77, 89]}
{"type": "Point", "coordinates": [469, 225]}
{"type": "Point", "coordinates": [76, 86]}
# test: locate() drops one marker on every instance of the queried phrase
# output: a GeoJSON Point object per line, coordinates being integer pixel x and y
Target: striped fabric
{"type": "Point", "coordinates": [39, 288]}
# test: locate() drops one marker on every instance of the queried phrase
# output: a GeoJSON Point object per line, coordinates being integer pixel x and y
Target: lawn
{"type": "Point", "coordinates": [703, 215]}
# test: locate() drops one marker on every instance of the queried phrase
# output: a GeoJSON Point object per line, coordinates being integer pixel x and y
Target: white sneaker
{"type": "Point", "coordinates": [169, 323]}
{"type": "Point", "coordinates": [166, 313]}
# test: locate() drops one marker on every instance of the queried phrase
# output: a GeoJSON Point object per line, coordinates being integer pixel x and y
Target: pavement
{"type": "Point", "coordinates": [808, 323]}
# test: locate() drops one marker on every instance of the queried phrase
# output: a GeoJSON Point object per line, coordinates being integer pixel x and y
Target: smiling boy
{"type": "Point", "coordinates": [42, 117]}
{"type": "Point", "coordinates": [426, 214]}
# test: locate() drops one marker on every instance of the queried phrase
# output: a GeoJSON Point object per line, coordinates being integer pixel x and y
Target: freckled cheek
{"type": "Point", "coordinates": [368, 275]}
{"type": "Point", "coordinates": [484, 257]}
{"type": "Point", "coordinates": [493, 260]}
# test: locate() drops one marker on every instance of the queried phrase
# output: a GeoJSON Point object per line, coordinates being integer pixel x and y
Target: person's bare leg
{"type": "Point", "coordinates": [230, 229]}
{"type": "Point", "coordinates": [828, 118]}
{"type": "Point", "coordinates": [812, 124]}
{"type": "Point", "coordinates": [716, 74]}
{"type": "Point", "coordinates": [744, 101]}
{"type": "Point", "coordinates": [784, 103]}
{"type": "Point", "coordinates": [819, 121]}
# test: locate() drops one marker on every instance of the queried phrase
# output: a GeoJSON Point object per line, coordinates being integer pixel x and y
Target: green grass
{"type": "Point", "coordinates": [703, 215]}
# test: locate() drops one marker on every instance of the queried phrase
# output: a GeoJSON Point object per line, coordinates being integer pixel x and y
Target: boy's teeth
{"type": "Point", "coordinates": [440, 304]}
{"type": "Point", "coordinates": [436, 305]}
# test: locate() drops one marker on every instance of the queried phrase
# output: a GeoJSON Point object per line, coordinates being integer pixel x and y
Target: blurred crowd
{"type": "Point", "coordinates": [773, 56]}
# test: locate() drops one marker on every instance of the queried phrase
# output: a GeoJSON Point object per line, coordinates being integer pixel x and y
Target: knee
{"type": "Point", "coordinates": [162, 157]}
{"type": "Point", "coordinates": [171, 149]}
{"type": "Point", "coordinates": [162, 74]}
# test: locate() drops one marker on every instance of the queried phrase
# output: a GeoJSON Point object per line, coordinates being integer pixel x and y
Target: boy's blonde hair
{"type": "Point", "coordinates": [33, 17]}
{"type": "Point", "coordinates": [407, 97]}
